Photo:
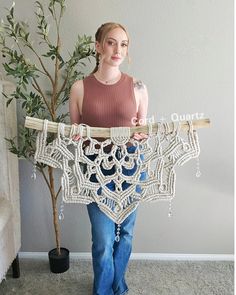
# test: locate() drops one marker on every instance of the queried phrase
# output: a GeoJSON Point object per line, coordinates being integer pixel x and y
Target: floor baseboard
{"type": "Point", "coordinates": [141, 256]}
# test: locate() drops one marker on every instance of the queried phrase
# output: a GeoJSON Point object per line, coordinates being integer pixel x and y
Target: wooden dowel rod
{"type": "Point", "coordinates": [37, 124]}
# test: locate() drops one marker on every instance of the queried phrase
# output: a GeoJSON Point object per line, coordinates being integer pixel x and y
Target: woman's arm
{"type": "Point", "coordinates": [75, 101]}
{"type": "Point", "coordinates": [141, 95]}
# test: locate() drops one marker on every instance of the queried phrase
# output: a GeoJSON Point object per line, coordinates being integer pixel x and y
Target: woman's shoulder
{"type": "Point", "coordinates": [77, 88]}
{"type": "Point", "coordinates": [138, 83]}
{"type": "Point", "coordinates": [80, 82]}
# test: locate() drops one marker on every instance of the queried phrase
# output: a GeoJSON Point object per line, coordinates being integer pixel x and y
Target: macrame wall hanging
{"type": "Point", "coordinates": [119, 172]}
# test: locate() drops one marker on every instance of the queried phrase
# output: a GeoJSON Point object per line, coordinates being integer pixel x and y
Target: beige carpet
{"type": "Point", "coordinates": [143, 278]}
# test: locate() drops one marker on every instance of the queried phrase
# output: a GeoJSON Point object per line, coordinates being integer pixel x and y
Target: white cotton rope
{"type": "Point", "coordinates": [149, 128]}
{"type": "Point", "coordinates": [118, 179]}
{"type": "Point", "coordinates": [120, 135]}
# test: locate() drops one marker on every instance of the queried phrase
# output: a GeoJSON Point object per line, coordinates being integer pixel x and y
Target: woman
{"type": "Point", "coordinates": [109, 98]}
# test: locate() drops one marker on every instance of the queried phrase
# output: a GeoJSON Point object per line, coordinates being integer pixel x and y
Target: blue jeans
{"type": "Point", "coordinates": [110, 258]}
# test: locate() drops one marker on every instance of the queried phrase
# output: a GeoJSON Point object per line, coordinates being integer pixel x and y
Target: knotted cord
{"type": "Point", "coordinates": [119, 172]}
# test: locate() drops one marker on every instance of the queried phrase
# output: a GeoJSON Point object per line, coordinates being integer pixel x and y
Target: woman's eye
{"type": "Point", "coordinates": [110, 42]}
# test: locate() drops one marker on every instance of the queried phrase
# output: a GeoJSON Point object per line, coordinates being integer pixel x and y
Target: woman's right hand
{"type": "Point", "coordinates": [76, 137]}
{"type": "Point", "coordinates": [139, 136]}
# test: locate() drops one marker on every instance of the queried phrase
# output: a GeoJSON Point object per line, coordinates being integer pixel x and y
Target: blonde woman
{"type": "Point", "coordinates": [109, 98]}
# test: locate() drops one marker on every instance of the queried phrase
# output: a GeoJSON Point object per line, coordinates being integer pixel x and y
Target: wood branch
{"type": "Point", "coordinates": [37, 124]}
{"type": "Point", "coordinates": [58, 192]}
{"type": "Point", "coordinates": [37, 88]}
{"type": "Point", "coordinates": [45, 177]}
{"type": "Point", "coordinates": [63, 86]}
{"type": "Point", "coordinates": [54, 206]}
{"type": "Point", "coordinates": [44, 68]}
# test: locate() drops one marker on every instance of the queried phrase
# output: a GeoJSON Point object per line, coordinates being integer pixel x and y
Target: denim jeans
{"type": "Point", "coordinates": [110, 258]}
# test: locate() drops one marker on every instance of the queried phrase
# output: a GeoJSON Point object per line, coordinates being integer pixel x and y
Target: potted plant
{"type": "Point", "coordinates": [16, 43]}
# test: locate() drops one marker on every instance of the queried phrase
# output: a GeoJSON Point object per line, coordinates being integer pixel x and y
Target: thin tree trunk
{"type": "Point", "coordinates": [54, 207]}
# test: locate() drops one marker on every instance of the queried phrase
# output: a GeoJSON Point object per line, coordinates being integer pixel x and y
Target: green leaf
{"type": "Point", "coordinates": [39, 5]}
{"type": "Point", "coordinates": [12, 9]}
{"type": "Point", "coordinates": [14, 45]}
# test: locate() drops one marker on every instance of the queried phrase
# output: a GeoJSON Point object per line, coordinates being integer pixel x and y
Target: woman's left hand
{"type": "Point", "coordinates": [139, 135]}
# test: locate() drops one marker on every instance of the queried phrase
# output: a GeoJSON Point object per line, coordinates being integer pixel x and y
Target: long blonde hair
{"type": "Point", "coordinates": [101, 34]}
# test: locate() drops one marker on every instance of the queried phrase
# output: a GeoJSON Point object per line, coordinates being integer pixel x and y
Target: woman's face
{"type": "Point", "coordinates": [115, 47]}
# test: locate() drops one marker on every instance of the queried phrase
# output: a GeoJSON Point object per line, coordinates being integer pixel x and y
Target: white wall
{"type": "Point", "coordinates": [183, 51]}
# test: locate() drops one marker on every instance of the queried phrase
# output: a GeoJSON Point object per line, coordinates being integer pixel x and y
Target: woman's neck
{"type": "Point", "coordinates": [108, 75]}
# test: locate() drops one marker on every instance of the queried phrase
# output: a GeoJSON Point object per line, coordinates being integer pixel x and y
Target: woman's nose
{"type": "Point", "coordinates": [118, 49]}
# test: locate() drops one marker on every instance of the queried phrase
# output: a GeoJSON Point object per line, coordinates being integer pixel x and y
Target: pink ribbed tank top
{"type": "Point", "coordinates": [111, 105]}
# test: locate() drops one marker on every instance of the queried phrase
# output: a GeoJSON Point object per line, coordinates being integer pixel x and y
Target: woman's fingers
{"type": "Point", "coordinates": [136, 136]}
{"type": "Point", "coordinates": [143, 135]}
{"type": "Point", "coordinates": [139, 136]}
{"type": "Point", "coordinates": [76, 137]}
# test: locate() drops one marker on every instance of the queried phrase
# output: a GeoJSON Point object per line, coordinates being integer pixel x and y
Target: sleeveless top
{"type": "Point", "coordinates": [108, 105]}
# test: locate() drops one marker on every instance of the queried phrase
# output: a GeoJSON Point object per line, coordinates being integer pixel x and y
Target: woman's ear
{"type": "Point", "coordinates": [98, 47]}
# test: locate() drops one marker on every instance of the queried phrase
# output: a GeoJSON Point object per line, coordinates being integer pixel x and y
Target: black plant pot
{"type": "Point", "coordinates": [59, 263]}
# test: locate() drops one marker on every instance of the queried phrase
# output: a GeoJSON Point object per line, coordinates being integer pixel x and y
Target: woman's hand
{"type": "Point", "coordinates": [139, 136]}
{"type": "Point", "coordinates": [76, 137]}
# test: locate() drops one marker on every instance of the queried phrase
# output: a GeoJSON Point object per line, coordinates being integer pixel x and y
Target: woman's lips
{"type": "Point", "coordinates": [115, 58]}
